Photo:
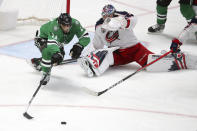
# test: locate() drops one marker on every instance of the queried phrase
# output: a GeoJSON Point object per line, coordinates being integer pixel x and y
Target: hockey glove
{"type": "Point", "coordinates": [57, 58]}
{"type": "Point", "coordinates": [41, 43]}
{"type": "Point", "coordinates": [75, 52]}
{"type": "Point", "coordinates": [45, 78]}
{"type": "Point", "coordinates": [175, 46]}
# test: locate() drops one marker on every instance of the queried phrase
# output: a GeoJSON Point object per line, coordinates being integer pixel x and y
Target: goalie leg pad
{"type": "Point", "coordinates": [97, 62]}
{"type": "Point", "coordinates": [85, 65]}
{"type": "Point", "coordinates": [168, 63]}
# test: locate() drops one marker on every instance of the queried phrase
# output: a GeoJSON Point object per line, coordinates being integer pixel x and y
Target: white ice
{"type": "Point", "coordinates": [145, 102]}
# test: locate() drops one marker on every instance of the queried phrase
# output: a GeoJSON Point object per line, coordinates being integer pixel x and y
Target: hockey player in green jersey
{"type": "Point", "coordinates": [53, 35]}
{"type": "Point", "coordinates": [63, 29]}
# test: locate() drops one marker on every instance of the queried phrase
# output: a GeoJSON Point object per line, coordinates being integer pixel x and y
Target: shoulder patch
{"type": "Point", "coordinates": [55, 28]}
{"type": "Point", "coordinates": [77, 22]}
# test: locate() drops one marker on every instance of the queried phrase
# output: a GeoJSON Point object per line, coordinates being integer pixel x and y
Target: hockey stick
{"type": "Point", "coordinates": [68, 61]}
{"type": "Point", "coordinates": [140, 69]}
{"type": "Point", "coordinates": [25, 114]}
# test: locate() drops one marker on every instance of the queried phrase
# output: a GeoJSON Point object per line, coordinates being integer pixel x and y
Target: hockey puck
{"type": "Point", "coordinates": [63, 122]}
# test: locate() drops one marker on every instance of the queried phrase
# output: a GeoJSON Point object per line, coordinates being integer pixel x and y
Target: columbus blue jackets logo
{"type": "Point", "coordinates": [111, 36]}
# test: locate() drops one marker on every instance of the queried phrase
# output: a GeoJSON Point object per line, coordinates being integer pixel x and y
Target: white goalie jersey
{"type": "Point", "coordinates": [116, 32]}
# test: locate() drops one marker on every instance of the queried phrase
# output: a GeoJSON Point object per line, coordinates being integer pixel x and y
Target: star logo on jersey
{"type": "Point", "coordinates": [77, 22]}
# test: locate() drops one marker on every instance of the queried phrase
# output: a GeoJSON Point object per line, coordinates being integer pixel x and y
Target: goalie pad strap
{"type": "Point", "coordinates": [181, 64]}
{"type": "Point", "coordinates": [184, 61]}
{"type": "Point", "coordinates": [176, 61]}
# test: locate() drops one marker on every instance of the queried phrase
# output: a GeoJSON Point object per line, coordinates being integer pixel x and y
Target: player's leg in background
{"type": "Point", "coordinates": [186, 10]}
{"type": "Point", "coordinates": [162, 9]}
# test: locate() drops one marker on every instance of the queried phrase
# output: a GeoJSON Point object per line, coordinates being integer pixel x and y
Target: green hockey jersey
{"type": "Point", "coordinates": [53, 31]}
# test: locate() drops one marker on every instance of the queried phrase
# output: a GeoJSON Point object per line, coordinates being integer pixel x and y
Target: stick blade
{"type": "Point", "coordinates": [90, 91]}
{"type": "Point", "coordinates": [26, 115]}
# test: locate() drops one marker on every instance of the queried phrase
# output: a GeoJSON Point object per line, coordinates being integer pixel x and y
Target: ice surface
{"type": "Point", "coordinates": [147, 101]}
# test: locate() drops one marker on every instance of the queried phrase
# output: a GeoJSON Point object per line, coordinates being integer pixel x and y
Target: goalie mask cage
{"type": "Point", "coordinates": [37, 12]}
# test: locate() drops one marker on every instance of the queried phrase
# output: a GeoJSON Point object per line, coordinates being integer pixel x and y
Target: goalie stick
{"type": "Point", "coordinates": [120, 81]}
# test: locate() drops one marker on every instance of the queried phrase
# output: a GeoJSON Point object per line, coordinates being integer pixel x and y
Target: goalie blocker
{"type": "Point", "coordinates": [97, 62]}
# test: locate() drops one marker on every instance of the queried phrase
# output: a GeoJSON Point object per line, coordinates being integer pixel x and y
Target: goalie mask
{"type": "Point", "coordinates": [108, 10]}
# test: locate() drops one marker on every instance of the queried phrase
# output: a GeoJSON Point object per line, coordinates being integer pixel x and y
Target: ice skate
{"type": "Point", "coordinates": [35, 63]}
{"type": "Point", "coordinates": [158, 28]}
